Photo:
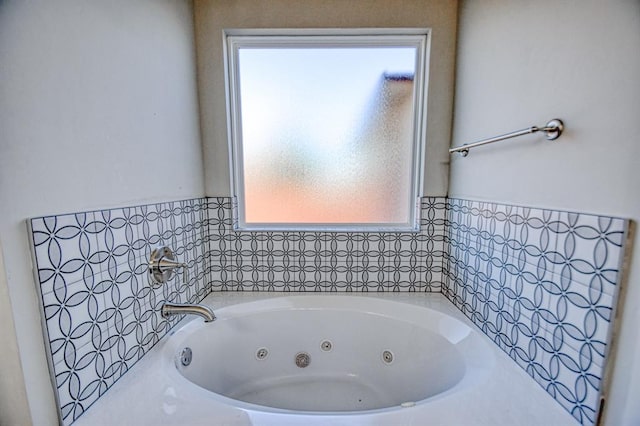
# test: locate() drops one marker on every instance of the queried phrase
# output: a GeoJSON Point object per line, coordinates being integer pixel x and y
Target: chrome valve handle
{"type": "Point", "coordinates": [162, 266]}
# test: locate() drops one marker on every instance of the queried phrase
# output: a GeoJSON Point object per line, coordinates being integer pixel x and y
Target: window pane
{"type": "Point", "coordinates": [327, 134]}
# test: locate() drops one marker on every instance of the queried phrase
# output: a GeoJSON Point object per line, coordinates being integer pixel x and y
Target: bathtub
{"type": "Point", "coordinates": [328, 354]}
{"type": "Point", "coordinates": [327, 359]}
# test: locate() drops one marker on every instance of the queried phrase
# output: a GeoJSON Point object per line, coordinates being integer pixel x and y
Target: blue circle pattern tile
{"type": "Point", "coordinates": [101, 314]}
{"type": "Point", "coordinates": [542, 284]}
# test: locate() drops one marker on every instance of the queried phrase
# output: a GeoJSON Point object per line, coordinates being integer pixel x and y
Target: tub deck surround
{"type": "Point", "coordinates": [154, 392]}
{"type": "Point", "coordinates": [542, 284]}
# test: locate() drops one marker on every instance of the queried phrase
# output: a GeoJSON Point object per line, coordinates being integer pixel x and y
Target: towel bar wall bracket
{"type": "Point", "coordinates": [553, 130]}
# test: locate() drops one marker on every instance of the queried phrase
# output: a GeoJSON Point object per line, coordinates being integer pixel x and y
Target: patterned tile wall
{"type": "Point", "coordinates": [327, 261]}
{"type": "Point", "coordinates": [101, 313]}
{"type": "Point", "coordinates": [542, 284]}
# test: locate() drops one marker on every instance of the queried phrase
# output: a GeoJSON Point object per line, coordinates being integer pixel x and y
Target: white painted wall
{"type": "Point", "coordinates": [98, 108]}
{"type": "Point", "coordinates": [523, 63]}
{"type": "Point", "coordinates": [212, 16]}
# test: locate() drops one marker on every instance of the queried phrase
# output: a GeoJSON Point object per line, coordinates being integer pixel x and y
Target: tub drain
{"type": "Point", "coordinates": [387, 357]}
{"type": "Point", "coordinates": [303, 359]}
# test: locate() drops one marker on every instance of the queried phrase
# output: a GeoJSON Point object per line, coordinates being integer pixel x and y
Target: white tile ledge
{"type": "Point", "coordinates": [145, 395]}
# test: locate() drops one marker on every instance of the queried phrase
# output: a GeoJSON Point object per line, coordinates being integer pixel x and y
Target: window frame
{"type": "Point", "coordinates": [234, 39]}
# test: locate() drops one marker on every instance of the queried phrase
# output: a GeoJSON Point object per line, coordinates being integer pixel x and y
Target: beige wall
{"type": "Point", "coordinates": [14, 406]}
{"type": "Point", "coordinates": [211, 16]}
{"type": "Point", "coordinates": [98, 108]}
{"type": "Point", "coordinates": [523, 63]}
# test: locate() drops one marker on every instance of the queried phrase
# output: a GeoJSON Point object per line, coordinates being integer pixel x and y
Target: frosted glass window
{"type": "Point", "coordinates": [326, 130]}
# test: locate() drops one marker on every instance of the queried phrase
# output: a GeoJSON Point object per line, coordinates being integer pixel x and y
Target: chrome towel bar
{"type": "Point", "coordinates": [553, 129]}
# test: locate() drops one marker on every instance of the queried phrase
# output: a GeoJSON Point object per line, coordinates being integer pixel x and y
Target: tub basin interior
{"type": "Point", "coordinates": [324, 359]}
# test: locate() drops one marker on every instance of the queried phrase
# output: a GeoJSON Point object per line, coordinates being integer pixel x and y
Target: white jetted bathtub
{"type": "Point", "coordinates": [409, 359]}
{"type": "Point", "coordinates": [327, 354]}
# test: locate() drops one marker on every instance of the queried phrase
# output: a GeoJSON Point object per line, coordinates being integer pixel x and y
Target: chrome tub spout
{"type": "Point", "coordinates": [169, 309]}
